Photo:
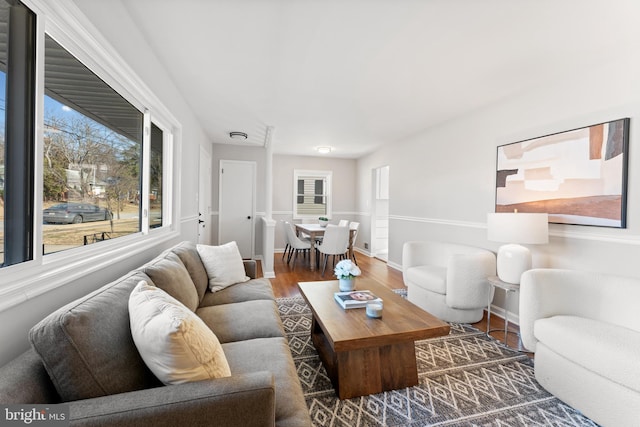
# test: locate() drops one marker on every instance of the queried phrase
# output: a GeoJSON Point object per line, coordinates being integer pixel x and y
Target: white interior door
{"type": "Point", "coordinates": [237, 205]}
{"type": "Point", "coordinates": [204, 198]}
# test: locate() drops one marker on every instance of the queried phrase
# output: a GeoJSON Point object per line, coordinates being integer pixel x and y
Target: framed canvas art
{"type": "Point", "coordinates": [577, 177]}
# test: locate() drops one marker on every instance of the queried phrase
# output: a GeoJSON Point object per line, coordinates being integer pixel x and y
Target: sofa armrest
{"type": "Point", "coordinates": [240, 400]}
{"type": "Point", "coordinates": [24, 380]}
{"type": "Point", "coordinates": [552, 292]}
{"type": "Point", "coordinates": [250, 268]}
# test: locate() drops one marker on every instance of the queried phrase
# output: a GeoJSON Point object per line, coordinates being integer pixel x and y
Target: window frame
{"type": "Point", "coordinates": [325, 175]}
{"type": "Point", "coordinates": [66, 24]}
{"type": "Point", "coordinates": [20, 119]}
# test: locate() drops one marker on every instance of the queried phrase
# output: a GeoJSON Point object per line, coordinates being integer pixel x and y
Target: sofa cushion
{"type": "Point", "coordinates": [174, 343]}
{"type": "Point", "coordinates": [189, 256]}
{"type": "Point", "coordinates": [428, 277]}
{"type": "Point", "coordinates": [223, 264]}
{"type": "Point", "coordinates": [604, 348]}
{"type": "Point", "coordinates": [87, 348]}
{"type": "Point", "coordinates": [243, 320]}
{"type": "Point", "coordinates": [256, 289]}
{"type": "Point", "coordinates": [272, 354]}
{"type": "Point", "coordinates": [168, 273]}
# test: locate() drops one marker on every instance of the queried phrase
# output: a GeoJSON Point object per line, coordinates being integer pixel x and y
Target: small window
{"type": "Point", "coordinates": [312, 198]}
{"type": "Point", "coordinates": [155, 177]}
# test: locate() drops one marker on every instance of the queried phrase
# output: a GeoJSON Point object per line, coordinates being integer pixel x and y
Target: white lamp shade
{"type": "Point", "coordinates": [524, 228]}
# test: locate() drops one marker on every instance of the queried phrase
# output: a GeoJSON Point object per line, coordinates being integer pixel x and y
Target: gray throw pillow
{"type": "Point", "coordinates": [169, 274]}
{"type": "Point", "coordinates": [87, 347]}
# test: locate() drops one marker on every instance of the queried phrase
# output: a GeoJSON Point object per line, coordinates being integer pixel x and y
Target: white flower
{"type": "Point", "coordinates": [346, 269]}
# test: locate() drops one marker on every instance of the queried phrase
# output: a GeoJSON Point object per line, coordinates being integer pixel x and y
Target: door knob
{"type": "Point", "coordinates": [249, 217]}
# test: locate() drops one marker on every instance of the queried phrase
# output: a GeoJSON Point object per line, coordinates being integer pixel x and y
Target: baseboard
{"type": "Point", "coordinates": [394, 265]}
{"type": "Point", "coordinates": [500, 312]}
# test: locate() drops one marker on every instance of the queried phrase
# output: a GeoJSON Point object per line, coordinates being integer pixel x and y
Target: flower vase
{"type": "Point", "coordinates": [347, 285]}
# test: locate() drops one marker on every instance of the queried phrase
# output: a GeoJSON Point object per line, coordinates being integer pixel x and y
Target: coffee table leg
{"type": "Point", "coordinates": [376, 369]}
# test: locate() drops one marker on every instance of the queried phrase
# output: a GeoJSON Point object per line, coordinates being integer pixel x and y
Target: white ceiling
{"type": "Point", "coordinates": [356, 74]}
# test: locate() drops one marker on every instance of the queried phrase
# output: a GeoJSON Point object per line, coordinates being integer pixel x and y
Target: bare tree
{"type": "Point", "coordinates": [81, 156]}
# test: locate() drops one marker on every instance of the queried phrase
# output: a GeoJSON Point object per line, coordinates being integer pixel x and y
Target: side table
{"type": "Point", "coordinates": [508, 288]}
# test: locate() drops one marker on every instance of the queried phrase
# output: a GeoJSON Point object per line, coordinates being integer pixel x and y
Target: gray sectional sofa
{"type": "Point", "coordinates": [83, 354]}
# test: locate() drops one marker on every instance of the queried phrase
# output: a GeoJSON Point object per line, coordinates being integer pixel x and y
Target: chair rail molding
{"type": "Point", "coordinates": [335, 213]}
{"type": "Point", "coordinates": [628, 239]}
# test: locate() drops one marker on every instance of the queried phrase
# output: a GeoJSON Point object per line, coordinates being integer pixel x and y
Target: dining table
{"type": "Point", "coordinates": [314, 230]}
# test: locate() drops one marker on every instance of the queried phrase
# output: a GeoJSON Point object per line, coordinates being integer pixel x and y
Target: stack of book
{"type": "Point", "coordinates": [355, 299]}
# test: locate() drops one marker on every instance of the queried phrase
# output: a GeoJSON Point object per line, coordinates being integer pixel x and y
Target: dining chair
{"type": "Point", "coordinates": [343, 223]}
{"type": "Point", "coordinates": [287, 246]}
{"type": "Point", "coordinates": [296, 244]}
{"type": "Point", "coordinates": [335, 242]}
{"type": "Point", "coordinates": [352, 243]}
{"type": "Point", "coordinates": [305, 236]}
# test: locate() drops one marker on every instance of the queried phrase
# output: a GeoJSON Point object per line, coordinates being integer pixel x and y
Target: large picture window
{"type": "Point", "coordinates": [90, 166]}
{"type": "Point", "coordinates": [312, 194]}
{"type": "Point", "coordinates": [92, 156]}
{"type": "Point", "coordinates": [4, 21]}
{"type": "Point", "coordinates": [17, 66]}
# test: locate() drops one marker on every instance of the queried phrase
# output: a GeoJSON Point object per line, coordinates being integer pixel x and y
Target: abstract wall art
{"type": "Point", "coordinates": [577, 177]}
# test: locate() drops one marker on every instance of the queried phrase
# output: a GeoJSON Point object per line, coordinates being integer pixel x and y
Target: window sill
{"type": "Point", "coordinates": [28, 280]}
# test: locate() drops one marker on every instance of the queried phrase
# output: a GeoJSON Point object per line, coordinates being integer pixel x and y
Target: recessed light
{"type": "Point", "coordinates": [238, 135]}
{"type": "Point", "coordinates": [324, 150]}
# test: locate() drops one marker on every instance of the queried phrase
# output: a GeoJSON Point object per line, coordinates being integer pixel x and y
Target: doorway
{"type": "Point", "coordinates": [380, 225]}
{"type": "Point", "coordinates": [237, 205]}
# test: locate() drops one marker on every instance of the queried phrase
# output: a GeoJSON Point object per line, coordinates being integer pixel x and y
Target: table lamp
{"type": "Point", "coordinates": [516, 229]}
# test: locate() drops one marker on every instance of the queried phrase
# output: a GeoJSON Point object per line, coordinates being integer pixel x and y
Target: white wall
{"type": "Point", "coordinates": [132, 47]}
{"type": "Point", "coordinates": [344, 187]}
{"type": "Point", "coordinates": [244, 153]}
{"type": "Point", "coordinates": [344, 198]}
{"type": "Point", "coordinates": [443, 180]}
{"type": "Point", "coordinates": [16, 321]}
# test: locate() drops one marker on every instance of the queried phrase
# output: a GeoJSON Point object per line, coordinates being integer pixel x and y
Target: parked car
{"type": "Point", "coordinates": [74, 213]}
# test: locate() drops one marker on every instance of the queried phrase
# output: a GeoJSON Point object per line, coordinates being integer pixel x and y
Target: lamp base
{"type": "Point", "coordinates": [512, 261]}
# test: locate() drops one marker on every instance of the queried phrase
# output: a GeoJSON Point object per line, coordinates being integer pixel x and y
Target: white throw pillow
{"type": "Point", "coordinates": [223, 264]}
{"type": "Point", "coordinates": [175, 344]}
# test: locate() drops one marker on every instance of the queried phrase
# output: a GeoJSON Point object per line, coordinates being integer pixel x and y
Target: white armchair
{"type": "Point", "coordinates": [585, 330]}
{"type": "Point", "coordinates": [448, 280]}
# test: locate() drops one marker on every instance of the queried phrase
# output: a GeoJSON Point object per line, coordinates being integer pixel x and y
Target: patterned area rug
{"type": "Point", "coordinates": [466, 379]}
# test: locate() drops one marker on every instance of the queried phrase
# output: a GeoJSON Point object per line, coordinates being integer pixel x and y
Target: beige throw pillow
{"type": "Point", "coordinates": [223, 264]}
{"type": "Point", "coordinates": [174, 343]}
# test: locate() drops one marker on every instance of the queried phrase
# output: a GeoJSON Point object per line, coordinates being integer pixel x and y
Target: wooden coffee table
{"type": "Point", "coordinates": [363, 355]}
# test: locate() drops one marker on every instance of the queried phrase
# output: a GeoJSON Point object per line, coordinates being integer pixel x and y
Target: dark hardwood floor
{"type": "Point", "coordinates": [288, 275]}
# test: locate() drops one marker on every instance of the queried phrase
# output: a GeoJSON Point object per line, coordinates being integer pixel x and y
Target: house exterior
{"type": "Point", "coordinates": [441, 186]}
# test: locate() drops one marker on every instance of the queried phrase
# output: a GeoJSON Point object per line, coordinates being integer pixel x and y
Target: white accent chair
{"type": "Point", "coordinates": [584, 328]}
{"type": "Point", "coordinates": [335, 242]}
{"type": "Point", "coordinates": [448, 280]}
